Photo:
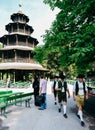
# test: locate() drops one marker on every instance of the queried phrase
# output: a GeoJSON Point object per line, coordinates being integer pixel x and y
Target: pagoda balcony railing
{"type": "Point", "coordinates": [20, 31]}
{"type": "Point", "coordinates": [26, 60]}
{"type": "Point", "coordinates": [21, 44]}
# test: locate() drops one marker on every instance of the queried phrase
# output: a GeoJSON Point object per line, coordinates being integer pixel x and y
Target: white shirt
{"type": "Point", "coordinates": [81, 90]}
{"type": "Point", "coordinates": [56, 86]}
{"type": "Point", "coordinates": [43, 85]}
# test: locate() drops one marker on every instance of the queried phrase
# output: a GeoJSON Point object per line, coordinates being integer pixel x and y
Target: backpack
{"type": "Point", "coordinates": [77, 88]}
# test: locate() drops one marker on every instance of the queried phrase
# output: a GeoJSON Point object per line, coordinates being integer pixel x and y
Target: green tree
{"type": "Point", "coordinates": [70, 42]}
{"type": "Point", "coordinates": [39, 54]}
{"type": "Point", "coordinates": [73, 33]}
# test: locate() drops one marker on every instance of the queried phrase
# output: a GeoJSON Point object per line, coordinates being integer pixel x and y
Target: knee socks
{"type": "Point", "coordinates": [64, 109]}
{"type": "Point", "coordinates": [80, 114]}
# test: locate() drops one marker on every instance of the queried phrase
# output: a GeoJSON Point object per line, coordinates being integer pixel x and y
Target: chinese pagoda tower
{"type": "Point", "coordinates": [17, 52]}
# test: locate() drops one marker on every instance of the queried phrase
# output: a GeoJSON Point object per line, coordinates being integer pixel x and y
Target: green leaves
{"type": "Point", "coordinates": [70, 42]}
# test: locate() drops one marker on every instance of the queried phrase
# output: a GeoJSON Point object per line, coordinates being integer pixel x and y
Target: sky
{"type": "Point", "coordinates": [40, 15]}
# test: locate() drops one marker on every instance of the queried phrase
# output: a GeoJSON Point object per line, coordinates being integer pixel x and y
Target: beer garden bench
{"type": "Point", "coordinates": [6, 92]}
{"type": "Point", "coordinates": [14, 99]}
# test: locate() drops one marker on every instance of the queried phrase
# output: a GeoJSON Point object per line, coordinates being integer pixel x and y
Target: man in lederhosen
{"type": "Point", "coordinates": [62, 89]}
{"type": "Point", "coordinates": [80, 92]}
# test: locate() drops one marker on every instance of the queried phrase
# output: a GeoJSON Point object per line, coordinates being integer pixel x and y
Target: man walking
{"type": "Point", "coordinates": [62, 89]}
{"type": "Point", "coordinates": [79, 93]}
{"type": "Point", "coordinates": [43, 91]}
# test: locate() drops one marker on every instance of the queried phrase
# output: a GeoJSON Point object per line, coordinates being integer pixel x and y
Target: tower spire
{"type": "Point", "coordinates": [20, 7]}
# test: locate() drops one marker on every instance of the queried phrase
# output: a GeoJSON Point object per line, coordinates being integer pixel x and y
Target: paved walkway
{"type": "Point", "coordinates": [21, 118]}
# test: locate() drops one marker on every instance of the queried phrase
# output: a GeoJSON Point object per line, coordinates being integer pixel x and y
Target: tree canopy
{"type": "Point", "coordinates": [70, 42]}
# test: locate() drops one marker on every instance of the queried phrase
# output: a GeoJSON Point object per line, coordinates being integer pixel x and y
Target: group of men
{"type": "Point", "coordinates": [61, 91]}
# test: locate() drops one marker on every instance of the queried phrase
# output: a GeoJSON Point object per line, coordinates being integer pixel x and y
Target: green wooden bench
{"type": "Point", "coordinates": [5, 92]}
{"type": "Point", "coordinates": [14, 100]}
{"type": "Point", "coordinates": [3, 106]}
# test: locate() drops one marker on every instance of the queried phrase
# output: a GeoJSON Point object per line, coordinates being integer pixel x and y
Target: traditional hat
{"type": "Point", "coordinates": [56, 76]}
{"type": "Point", "coordinates": [62, 76]}
{"type": "Point", "coordinates": [80, 76]}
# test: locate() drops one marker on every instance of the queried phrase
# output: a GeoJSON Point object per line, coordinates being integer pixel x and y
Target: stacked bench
{"type": "Point", "coordinates": [14, 100]}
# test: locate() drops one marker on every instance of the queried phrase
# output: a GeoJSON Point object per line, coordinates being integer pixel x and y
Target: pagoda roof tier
{"type": "Point", "coordinates": [19, 14]}
{"type": "Point", "coordinates": [26, 48]}
{"type": "Point", "coordinates": [21, 66]}
{"type": "Point", "coordinates": [20, 36]}
{"type": "Point", "coordinates": [15, 25]}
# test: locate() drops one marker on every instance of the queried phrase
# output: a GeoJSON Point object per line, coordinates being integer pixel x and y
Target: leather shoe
{"type": "Point", "coordinates": [55, 103]}
{"type": "Point", "coordinates": [65, 115]}
{"type": "Point", "coordinates": [82, 123]}
{"type": "Point", "coordinates": [59, 110]}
